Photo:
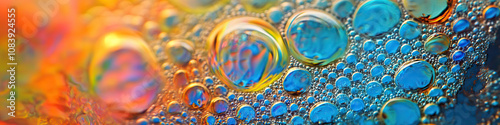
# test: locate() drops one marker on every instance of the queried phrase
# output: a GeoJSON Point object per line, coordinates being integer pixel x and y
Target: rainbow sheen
{"type": "Point", "coordinates": [323, 112]}
{"type": "Point", "coordinates": [414, 74]}
{"type": "Point", "coordinates": [179, 51]}
{"type": "Point", "coordinates": [219, 105]}
{"type": "Point", "coordinates": [399, 111]}
{"type": "Point", "coordinates": [491, 12]}
{"type": "Point", "coordinates": [437, 43]}
{"type": "Point", "coordinates": [315, 38]}
{"type": "Point", "coordinates": [258, 5]}
{"type": "Point", "coordinates": [409, 29]}
{"type": "Point", "coordinates": [123, 73]}
{"type": "Point", "coordinates": [430, 11]}
{"type": "Point", "coordinates": [196, 96]}
{"type": "Point", "coordinates": [245, 113]}
{"type": "Point", "coordinates": [297, 81]}
{"type": "Point", "coordinates": [375, 17]}
{"type": "Point", "coordinates": [198, 6]}
{"type": "Point", "coordinates": [246, 53]}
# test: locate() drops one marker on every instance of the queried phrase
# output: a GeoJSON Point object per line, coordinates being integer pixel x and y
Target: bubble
{"type": "Point", "coordinates": [414, 74]}
{"type": "Point", "coordinates": [198, 6]}
{"type": "Point", "coordinates": [357, 104]}
{"type": "Point", "coordinates": [409, 29]}
{"type": "Point", "coordinates": [209, 120]}
{"type": "Point", "coordinates": [463, 42]}
{"type": "Point", "coordinates": [377, 70]}
{"type": "Point", "coordinates": [219, 105]}
{"type": "Point", "coordinates": [491, 12]}
{"type": "Point", "coordinates": [435, 92]}
{"type": "Point", "coordinates": [231, 121]}
{"type": "Point", "coordinates": [399, 111]}
{"type": "Point", "coordinates": [323, 112]}
{"type": "Point", "coordinates": [278, 108]}
{"type": "Point", "coordinates": [180, 79]}
{"type": "Point", "coordinates": [297, 81]}
{"type": "Point", "coordinates": [458, 55]}
{"type": "Point", "coordinates": [343, 8]}
{"type": "Point", "coordinates": [142, 121]}
{"type": "Point", "coordinates": [220, 90]}
{"type": "Point", "coordinates": [392, 46]}
{"type": "Point", "coordinates": [373, 89]}
{"type": "Point", "coordinates": [369, 45]}
{"type": "Point", "coordinates": [123, 73]}
{"type": "Point", "coordinates": [174, 107]}
{"type": "Point", "coordinates": [296, 120]}
{"type": "Point", "coordinates": [275, 15]}
{"type": "Point", "coordinates": [246, 53]}
{"type": "Point", "coordinates": [342, 82]}
{"type": "Point", "coordinates": [429, 11]}
{"type": "Point", "coordinates": [342, 98]}
{"type": "Point", "coordinates": [431, 109]}
{"type": "Point", "coordinates": [258, 5]}
{"type": "Point", "coordinates": [179, 51]}
{"type": "Point", "coordinates": [460, 25]}
{"type": "Point", "coordinates": [169, 18]}
{"type": "Point", "coordinates": [437, 43]}
{"type": "Point", "coordinates": [245, 113]}
{"type": "Point", "coordinates": [315, 38]}
{"type": "Point", "coordinates": [196, 96]}
{"type": "Point", "coordinates": [375, 17]}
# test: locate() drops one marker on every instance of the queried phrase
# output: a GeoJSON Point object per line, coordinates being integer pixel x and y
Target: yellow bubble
{"type": "Point", "coordinates": [437, 43]}
{"type": "Point", "coordinates": [246, 53]}
{"type": "Point", "coordinates": [198, 6]}
{"type": "Point", "coordinates": [258, 5]}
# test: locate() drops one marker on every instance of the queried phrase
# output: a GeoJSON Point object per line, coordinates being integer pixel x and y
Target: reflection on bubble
{"type": "Point", "coordinates": [258, 5]}
{"type": "Point", "coordinates": [219, 105]}
{"type": "Point", "coordinates": [122, 72]}
{"type": "Point", "coordinates": [179, 51]}
{"type": "Point", "coordinates": [373, 89]}
{"type": "Point", "coordinates": [297, 81]}
{"type": "Point", "coordinates": [246, 53]}
{"type": "Point", "coordinates": [196, 96]}
{"type": "Point", "coordinates": [461, 25]}
{"type": "Point", "coordinates": [198, 6]}
{"type": "Point", "coordinates": [296, 120]}
{"type": "Point", "coordinates": [323, 112]}
{"type": "Point", "coordinates": [437, 43]}
{"type": "Point", "coordinates": [429, 11]}
{"type": "Point", "coordinates": [278, 108]}
{"type": "Point", "coordinates": [409, 29]}
{"type": "Point", "coordinates": [315, 38]}
{"type": "Point", "coordinates": [400, 111]}
{"type": "Point", "coordinates": [245, 113]}
{"type": "Point", "coordinates": [343, 8]}
{"type": "Point", "coordinates": [415, 74]}
{"type": "Point", "coordinates": [491, 12]}
{"type": "Point", "coordinates": [209, 120]}
{"type": "Point", "coordinates": [375, 17]}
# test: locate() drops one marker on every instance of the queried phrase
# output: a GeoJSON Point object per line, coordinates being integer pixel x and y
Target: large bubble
{"type": "Point", "coordinates": [375, 17]}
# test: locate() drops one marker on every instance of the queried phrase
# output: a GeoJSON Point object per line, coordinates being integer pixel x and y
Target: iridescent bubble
{"type": "Point", "coordinates": [220, 90]}
{"type": "Point", "coordinates": [296, 120]}
{"type": "Point", "coordinates": [460, 25]}
{"type": "Point", "coordinates": [343, 8]}
{"type": "Point", "coordinates": [245, 113]}
{"type": "Point", "coordinates": [258, 5]}
{"type": "Point", "coordinates": [437, 43]}
{"type": "Point", "coordinates": [315, 37]}
{"type": "Point", "coordinates": [219, 105]}
{"type": "Point", "coordinates": [181, 79]}
{"type": "Point", "coordinates": [196, 96]}
{"type": "Point", "coordinates": [491, 12]}
{"type": "Point", "coordinates": [179, 51]}
{"type": "Point", "coordinates": [198, 6]}
{"type": "Point", "coordinates": [323, 112]}
{"type": "Point", "coordinates": [409, 29]}
{"type": "Point", "coordinates": [373, 89]}
{"type": "Point", "coordinates": [275, 14]}
{"type": "Point", "coordinates": [399, 111]}
{"type": "Point", "coordinates": [297, 81]}
{"type": "Point", "coordinates": [174, 107]}
{"type": "Point", "coordinates": [414, 74]}
{"type": "Point", "coordinates": [231, 121]}
{"type": "Point", "coordinates": [246, 53]}
{"type": "Point", "coordinates": [375, 17]}
{"type": "Point", "coordinates": [209, 120]}
{"type": "Point", "coordinates": [123, 72]}
{"type": "Point", "coordinates": [278, 108]}
{"type": "Point", "coordinates": [429, 11]}
{"type": "Point", "coordinates": [357, 104]}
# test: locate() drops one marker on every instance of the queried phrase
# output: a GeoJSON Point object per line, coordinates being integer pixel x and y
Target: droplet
{"type": "Point", "coordinates": [409, 29]}
{"type": "Point", "coordinates": [123, 72]}
{"type": "Point", "coordinates": [323, 112]}
{"type": "Point", "coordinates": [198, 6]}
{"type": "Point", "coordinates": [219, 105]}
{"type": "Point", "coordinates": [278, 108]}
{"type": "Point", "coordinates": [373, 89]}
{"type": "Point", "coordinates": [463, 42]}
{"type": "Point", "coordinates": [399, 111]}
{"type": "Point", "coordinates": [258, 5]}
{"type": "Point", "coordinates": [209, 120]}
{"type": "Point", "coordinates": [437, 43]}
{"type": "Point", "coordinates": [343, 8]}
{"type": "Point", "coordinates": [458, 55]}
{"type": "Point", "coordinates": [297, 81]}
{"type": "Point", "coordinates": [196, 96]}
{"type": "Point", "coordinates": [392, 46]}
{"type": "Point", "coordinates": [275, 15]}
{"type": "Point", "coordinates": [296, 120]}
{"type": "Point", "coordinates": [414, 74]}
{"type": "Point", "coordinates": [315, 37]}
{"type": "Point", "coordinates": [174, 107]}
{"type": "Point", "coordinates": [460, 25]}
{"type": "Point", "coordinates": [491, 12]}
{"type": "Point", "coordinates": [181, 79]}
{"type": "Point", "coordinates": [246, 53]}
{"type": "Point", "coordinates": [375, 17]}
{"type": "Point", "coordinates": [377, 70]}
{"type": "Point", "coordinates": [245, 113]}
{"type": "Point", "coordinates": [431, 109]}
{"type": "Point", "coordinates": [179, 51]}
{"type": "Point", "coordinates": [231, 121]}
{"type": "Point", "coordinates": [342, 82]}
{"type": "Point", "coordinates": [429, 11]}
{"type": "Point", "coordinates": [357, 104]}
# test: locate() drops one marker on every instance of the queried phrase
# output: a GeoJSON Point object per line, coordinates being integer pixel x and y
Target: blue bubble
{"type": "Point", "coordinates": [294, 107]}
{"type": "Point", "coordinates": [357, 104]}
{"type": "Point", "coordinates": [458, 55]}
{"type": "Point", "coordinates": [260, 97]}
{"type": "Point", "coordinates": [142, 121]}
{"type": "Point", "coordinates": [231, 121]}
{"type": "Point", "coordinates": [369, 45]}
{"type": "Point", "coordinates": [414, 74]}
{"type": "Point", "coordinates": [275, 14]}
{"type": "Point", "coordinates": [342, 98]}
{"type": "Point", "coordinates": [463, 42]}
{"type": "Point", "coordinates": [460, 25]}
{"type": "Point", "coordinates": [377, 70]}
{"type": "Point", "coordinates": [360, 66]}
{"type": "Point", "coordinates": [329, 87]}
{"type": "Point", "coordinates": [373, 89]}
{"type": "Point", "coordinates": [278, 108]}
{"type": "Point", "coordinates": [297, 81]}
{"type": "Point", "coordinates": [342, 82]}
{"type": "Point", "coordinates": [296, 120]}
{"type": "Point", "coordinates": [455, 68]}
{"type": "Point", "coordinates": [245, 113]}
{"type": "Point", "coordinates": [491, 12]}
{"type": "Point", "coordinates": [357, 76]}
{"type": "Point", "coordinates": [323, 112]}
{"type": "Point", "coordinates": [405, 48]}
{"type": "Point", "coordinates": [386, 79]}
{"type": "Point", "coordinates": [381, 57]}
{"type": "Point", "coordinates": [351, 58]}
{"type": "Point", "coordinates": [392, 46]}
{"type": "Point", "coordinates": [431, 109]}
{"type": "Point", "coordinates": [443, 59]}
{"type": "Point", "coordinates": [386, 17]}
{"type": "Point", "coordinates": [220, 105]}
{"type": "Point", "coordinates": [174, 107]}
{"type": "Point", "coordinates": [343, 8]}
{"type": "Point", "coordinates": [435, 92]}
{"type": "Point", "coordinates": [311, 99]}
{"type": "Point", "coordinates": [209, 120]}
{"type": "Point", "coordinates": [461, 8]}
{"type": "Point", "coordinates": [409, 29]}
{"type": "Point", "coordinates": [400, 111]}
